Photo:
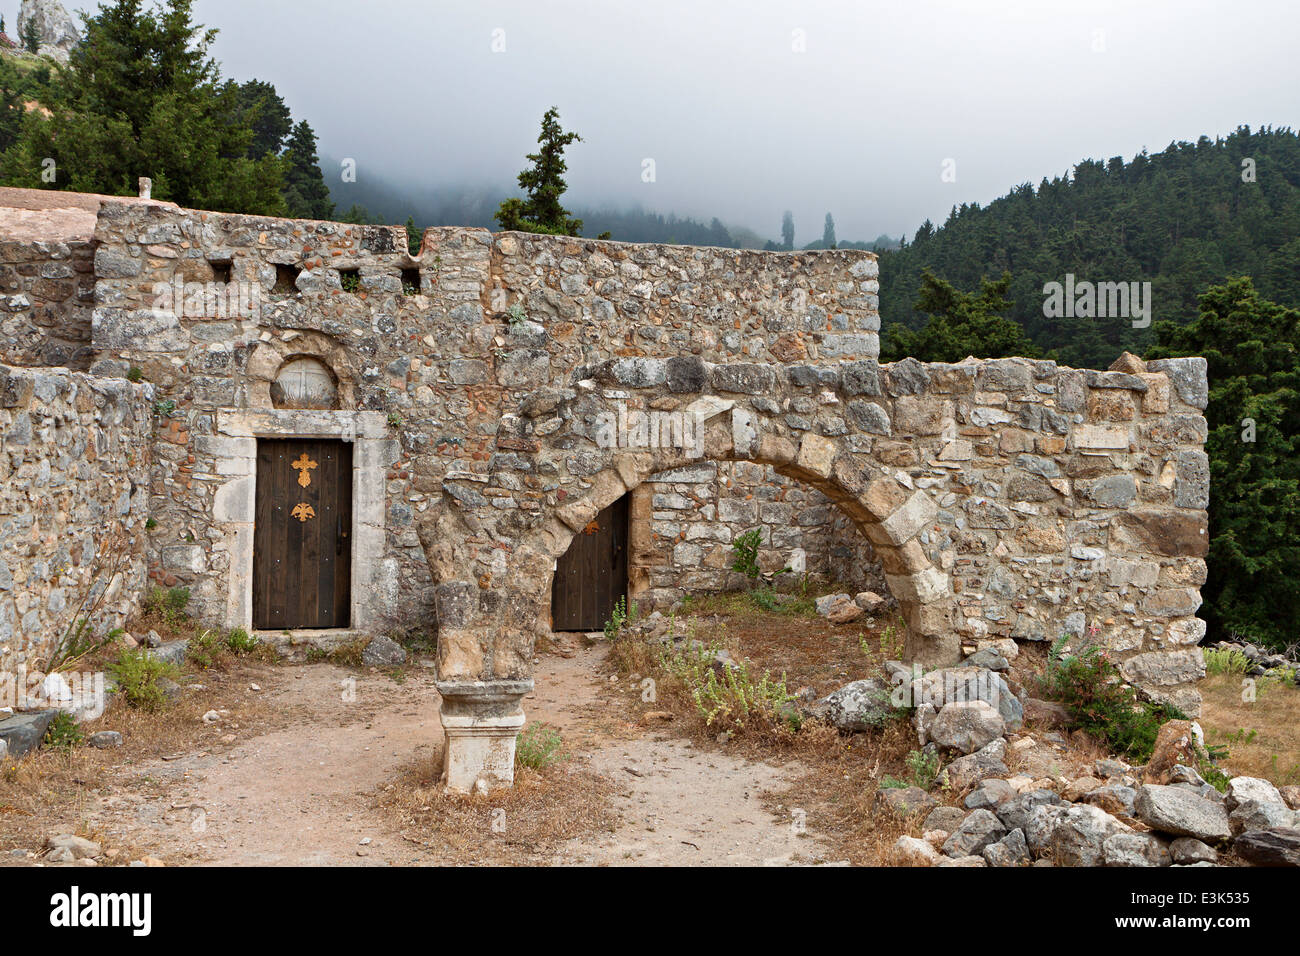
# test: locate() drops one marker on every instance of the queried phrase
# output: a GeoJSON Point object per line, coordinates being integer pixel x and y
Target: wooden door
{"type": "Point", "coordinates": [302, 535]}
{"type": "Point", "coordinates": [592, 575]}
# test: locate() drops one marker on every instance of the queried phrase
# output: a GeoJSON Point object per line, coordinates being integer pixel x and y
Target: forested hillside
{"type": "Point", "coordinates": [1183, 219]}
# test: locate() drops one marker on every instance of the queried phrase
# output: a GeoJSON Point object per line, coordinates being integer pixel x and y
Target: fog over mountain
{"type": "Point", "coordinates": [751, 107]}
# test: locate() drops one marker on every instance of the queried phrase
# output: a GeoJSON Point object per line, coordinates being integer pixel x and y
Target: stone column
{"type": "Point", "coordinates": [480, 721]}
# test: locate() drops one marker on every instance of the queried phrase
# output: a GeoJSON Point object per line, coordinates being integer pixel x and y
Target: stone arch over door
{"type": "Point", "coordinates": [492, 564]}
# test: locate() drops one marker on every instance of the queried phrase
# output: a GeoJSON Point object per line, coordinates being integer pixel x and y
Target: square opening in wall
{"type": "Point", "coordinates": [350, 280]}
{"type": "Point", "coordinates": [220, 270]}
{"type": "Point", "coordinates": [410, 281]}
{"type": "Point", "coordinates": [286, 280]}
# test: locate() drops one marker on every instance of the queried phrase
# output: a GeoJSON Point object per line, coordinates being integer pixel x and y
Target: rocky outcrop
{"type": "Point", "coordinates": [57, 30]}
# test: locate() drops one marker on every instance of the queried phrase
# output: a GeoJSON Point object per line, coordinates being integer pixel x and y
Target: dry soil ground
{"type": "Point", "coordinates": [308, 778]}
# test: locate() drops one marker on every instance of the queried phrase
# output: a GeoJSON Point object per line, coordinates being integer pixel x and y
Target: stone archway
{"type": "Point", "coordinates": [492, 566]}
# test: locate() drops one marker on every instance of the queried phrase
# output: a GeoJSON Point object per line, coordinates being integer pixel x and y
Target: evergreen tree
{"type": "Point", "coordinates": [960, 324]}
{"type": "Point", "coordinates": [414, 237]}
{"type": "Point", "coordinates": [828, 233]}
{"type": "Point", "coordinates": [544, 184]}
{"type": "Point", "coordinates": [259, 107]}
{"type": "Point", "coordinates": [305, 192]}
{"type": "Point", "coordinates": [31, 37]}
{"type": "Point", "coordinates": [142, 97]}
{"type": "Point", "coordinates": [787, 231]}
{"type": "Point", "coordinates": [1252, 347]}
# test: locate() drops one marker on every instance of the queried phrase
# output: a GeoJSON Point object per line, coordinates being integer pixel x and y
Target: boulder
{"type": "Point", "coordinates": [977, 831]}
{"type": "Point", "coordinates": [869, 601]}
{"type": "Point", "coordinates": [946, 819]}
{"type": "Point", "coordinates": [989, 794]}
{"type": "Point", "coordinates": [966, 726]}
{"type": "Point", "coordinates": [964, 861]}
{"type": "Point", "coordinates": [949, 685]}
{"type": "Point", "coordinates": [981, 765]}
{"type": "Point", "coordinates": [913, 852]}
{"type": "Point", "coordinates": [1135, 849]}
{"type": "Point", "coordinates": [1011, 850]}
{"type": "Point", "coordinates": [1180, 812]}
{"type": "Point", "coordinates": [856, 707]}
{"type": "Point", "coordinates": [1116, 799]}
{"type": "Point", "coordinates": [828, 601]}
{"type": "Point", "coordinates": [1187, 850]}
{"type": "Point", "coordinates": [105, 739]}
{"type": "Point", "coordinates": [24, 732]}
{"type": "Point", "coordinates": [1071, 835]}
{"type": "Point", "coordinates": [1175, 744]}
{"type": "Point", "coordinates": [1274, 846]}
{"type": "Point", "coordinates": [79, 848]}
{"type": "Point", "coordinates": [988, 657]}
{"type": "Point", "coordinates": [1291, 794]}
{"type": "Point", "coordinates": [844, 612]}
{"type": "Point", "coordinates": [383, 652]}
{"type": "Point", "coordinates": [1257, 815]}
{"type": "Point", "coordinates": [1241, 789]}
{"type": "Point", "coordinates": [171, 652]}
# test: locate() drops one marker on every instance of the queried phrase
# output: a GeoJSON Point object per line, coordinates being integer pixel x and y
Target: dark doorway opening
{"type": "Point", "coordinates": [591, 577]}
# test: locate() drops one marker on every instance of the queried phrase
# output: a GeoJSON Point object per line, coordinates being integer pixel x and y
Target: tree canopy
{"type": "Point", "coordinates": [543, 183]}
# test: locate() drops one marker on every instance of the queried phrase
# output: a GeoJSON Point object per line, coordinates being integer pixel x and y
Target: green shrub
{"type": "Point", "coordinates": [1093, 692]}
{"type": "Point", "coordinates": [538, 746]}
{"type": "Point", "coordinates": [727, 694]}
{"type": "Point", "coordinates": [241, 642]}
{"type": "Point", "coordinates": [745, 551]}
{"type": "Point", "coordinates": [620, 617]}
{"type": "Point", "coordinates": [64, 732]}
{"type": "Point", "coordinates": [1226, 661]}
{"type": "Point", "coordinates": [139, 677]}
{"type": "Point", "coordinates": [168, 604]}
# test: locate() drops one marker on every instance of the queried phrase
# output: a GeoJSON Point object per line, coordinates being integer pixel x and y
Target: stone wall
{"type": "Point", "coordinates": [47, 291]}
{"type": "Point", "coordinates": [75, 456]}
{"type": "Point", "coordinates": [999, 498]}
{"type": "Point", "coordinates": [443, 351]}
{"type": "Point", "coordinates": [693, 514]}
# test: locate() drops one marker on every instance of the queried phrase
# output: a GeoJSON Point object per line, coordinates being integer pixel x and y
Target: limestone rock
{"type": "Point", "coordinates": [1071, 835]}
{"type": "Point", "coordinates": [966, 726]}
{"type": "Point", "coordinates": [1257, 815]}
{"type": "Point", "coordinates": [57, 30]}
{"type": "Point", "coordinates": [1135, 849]}
{"type": "Point", "coordinates": [1274, 846]}
{"type": "Point", "coordinates": [1179, 812]}
{"type": "Point", "coordinates": [78, 847]}
{"type": "Point", "coordinates": [984, 763]}
{"type": "Point", "coordinates": [1241, 789]}
{"type": "Point", "coordinates": [860, 706]}
{"type": "Point", "coordinates": [913, 852]}
{"type": "Point", "coordinates": [977, 831]}
{"type": "Point", "coordinates": [1011, 850]}
{"type": "Point", "coordinates": [1187, 850]}
{"type": "Point", "coordinates": [947, 819]}
{"type": "Point", "coordinates": [383, 652]}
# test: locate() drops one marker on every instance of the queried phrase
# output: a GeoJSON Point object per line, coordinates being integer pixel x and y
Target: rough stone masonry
{"type": "Point", "coordinates": [997, 498]}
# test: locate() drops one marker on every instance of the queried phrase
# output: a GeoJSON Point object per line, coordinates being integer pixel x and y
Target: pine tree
{"type": "Point", "coordinates": [787, 231]}
{"type": "Point", "coordinates": [544, 184]}
{"type": "Point", "coordinates": [960, 324]}
{"type": "Point", "coordinates": [31, 37]}
{"type": "Point", "coordinates": [142, 97]}
{"type": "Point", "coordinates": [828, 233]}
{"type": "Point", "coordinates": [305, 192]}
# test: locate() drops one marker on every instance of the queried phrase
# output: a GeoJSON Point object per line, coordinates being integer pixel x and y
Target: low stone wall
{"type": "Point", "coordinates": [47, 293]}
{"type": "Point", "coordinates": [75, 458]}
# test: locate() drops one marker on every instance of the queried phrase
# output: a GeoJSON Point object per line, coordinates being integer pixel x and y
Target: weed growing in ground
{"type": "Point", "coordinates": [139, 677]}
{"type": "Point", "coordinates": [1226, 661]}
{"type": "Point", "coordinates": [538, 746]}
{"type": "Point", "coordinates": [1099, 702]}
{"type": "Point", "coordinates": [64, 732]}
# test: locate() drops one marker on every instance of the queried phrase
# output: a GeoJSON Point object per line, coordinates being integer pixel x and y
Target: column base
{"type": "Point", "coordinates": [480, 722]}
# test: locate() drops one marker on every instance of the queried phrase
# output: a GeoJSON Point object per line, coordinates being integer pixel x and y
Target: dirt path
{"type": "Point", "coordinates": [305, 794]}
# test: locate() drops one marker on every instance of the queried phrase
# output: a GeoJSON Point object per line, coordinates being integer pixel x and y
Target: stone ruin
{"type": "Point", "coordinates": [499, 390]}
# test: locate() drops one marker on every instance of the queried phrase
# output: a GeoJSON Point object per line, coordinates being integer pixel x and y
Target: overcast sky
{"type": "Point", "coordinates": [739, 122]}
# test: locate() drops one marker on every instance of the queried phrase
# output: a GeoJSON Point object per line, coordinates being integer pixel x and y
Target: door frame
{"type": "Point", "coordinates": [235, 503]}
